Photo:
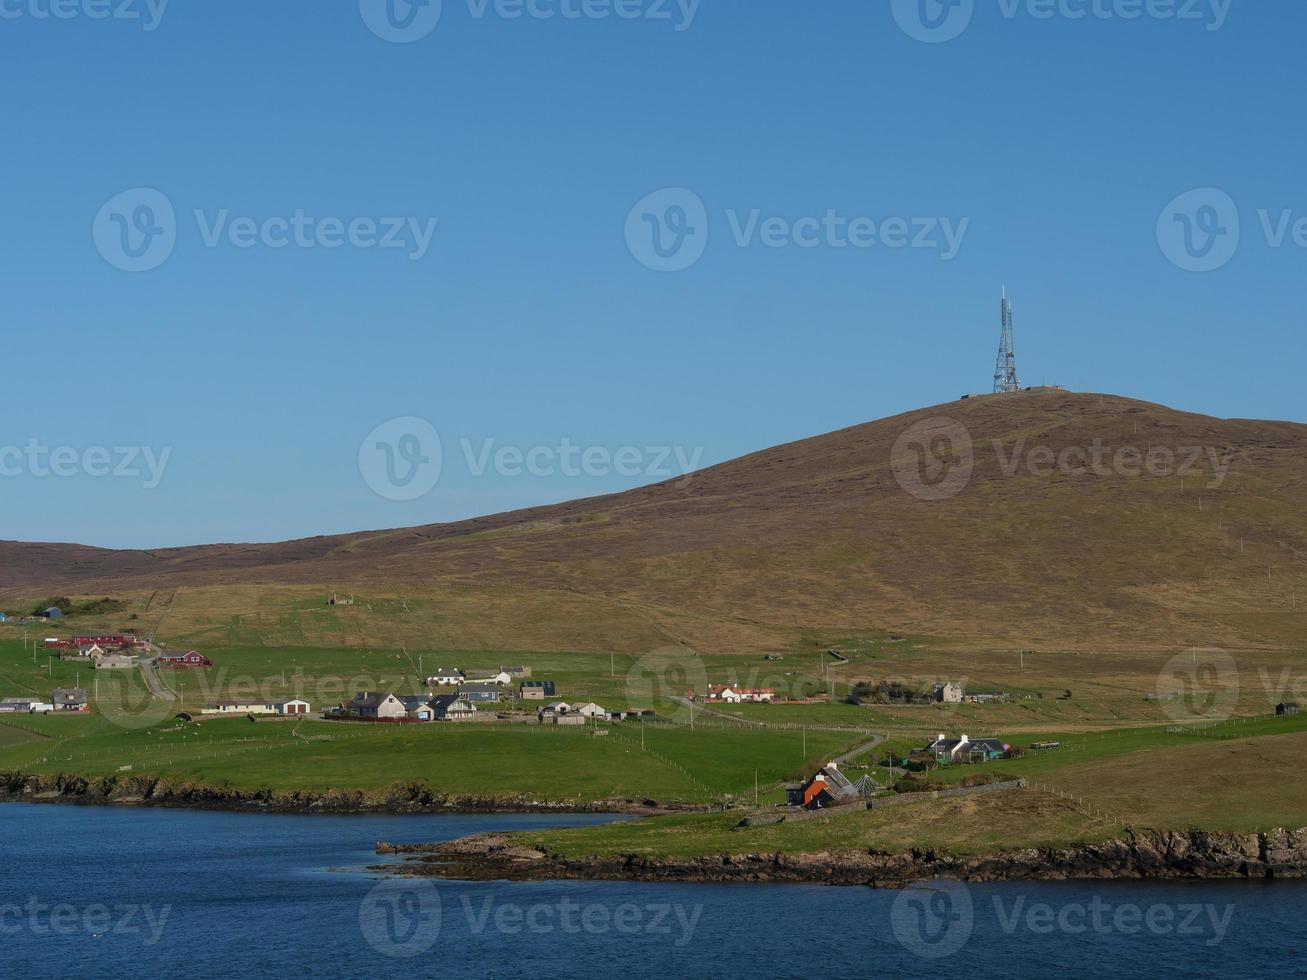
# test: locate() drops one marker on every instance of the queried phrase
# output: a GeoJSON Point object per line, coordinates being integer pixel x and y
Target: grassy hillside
{"type": "Point", "coordinates": [816, 539]}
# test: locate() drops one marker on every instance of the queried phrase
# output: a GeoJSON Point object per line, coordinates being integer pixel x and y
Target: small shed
{"type": "Point", "coordinates": [54, 612]}
{"type": "Point", "coordinates": [1287, 708]}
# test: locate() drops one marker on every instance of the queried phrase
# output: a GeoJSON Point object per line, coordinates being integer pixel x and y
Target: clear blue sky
{"type": "Point", "coordinates": [529, 320]}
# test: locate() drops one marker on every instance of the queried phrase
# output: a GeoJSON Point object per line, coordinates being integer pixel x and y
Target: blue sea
{"type": "Point", "coordinates": [143, 893]}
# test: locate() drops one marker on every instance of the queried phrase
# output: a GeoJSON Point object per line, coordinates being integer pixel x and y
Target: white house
{"type": "Point", "coordinates": [589, 710]}
{"type": "Point", "coordinates": [257, 706]}
{"type": "Point", "coordinates": [503, 679]}
{"type": "Point", "coordinates": [446, 677]}
{"type": "Point", "coordinates": [372, 705]}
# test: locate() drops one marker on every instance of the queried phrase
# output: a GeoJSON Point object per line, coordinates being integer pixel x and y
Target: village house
{"type": "Point", "coordinates": [257, 706]}
{"type": "Point", "coordinates": [417, 706]}
{"type": "Point", "coordinates": [375, 706]}
{"type": "Point", "coordinates": [446, 677]}
{"type": "Point", "coordinates": [827, 787]}
{"type": "Point", "coordinates": [91, 650]}
{"type": "Point", "coordinates": [590, 710]}
{"type": "Point", "coordinates": [70, 699]}
{"type": "Point", "coordinates": [518, 673]}
{"type": "Point", "coordinates": [480, 692]}
{"type": "Point", "coordinates": [963, 750]}
{"type": "Point", "coordinates": [451, 707]}
{"type": "Point", "coordinates": [559, 713]}
{"type": "Point", "coordinates": [949, 693]}
{"type": "Point", "coordinates": [191, 660]}
{"type": "Point", "coordinates": [536, 690]}
{"type": "Point", "coordinates": [730, 694]}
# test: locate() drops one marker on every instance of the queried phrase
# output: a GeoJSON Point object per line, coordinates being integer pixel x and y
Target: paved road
{"type": "Point", "coordinates": [152, 679]}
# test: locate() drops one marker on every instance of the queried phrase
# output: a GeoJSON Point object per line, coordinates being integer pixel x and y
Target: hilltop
{"type": "Point", "coordinates": [845, 533]}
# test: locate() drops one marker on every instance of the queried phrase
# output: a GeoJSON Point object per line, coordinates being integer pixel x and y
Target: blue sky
{"type": "Point", "coordinates": [1051, 145]}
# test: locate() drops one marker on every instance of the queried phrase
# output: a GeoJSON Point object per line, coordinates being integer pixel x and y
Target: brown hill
{"type": "Point", "coordinates": [1055, 533]}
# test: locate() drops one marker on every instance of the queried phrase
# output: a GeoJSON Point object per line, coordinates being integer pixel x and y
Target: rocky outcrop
{"type": "Point", "coordinates": [1139, 854]}
{"type": "Point", "coordinates": [145, 790]}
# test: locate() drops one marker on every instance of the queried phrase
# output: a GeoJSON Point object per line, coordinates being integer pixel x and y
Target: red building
{"type": "Point", "coordinates": [108, 640]}
{"type": "Point", "coordinates": [185, 661]}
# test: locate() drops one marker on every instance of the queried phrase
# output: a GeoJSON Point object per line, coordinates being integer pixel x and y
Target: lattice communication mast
{"type": "Point", "coordinates": [1005, 370]}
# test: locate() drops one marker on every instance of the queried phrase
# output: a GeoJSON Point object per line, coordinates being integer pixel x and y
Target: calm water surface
{"type": "Point", "coordinates": [138, 893]}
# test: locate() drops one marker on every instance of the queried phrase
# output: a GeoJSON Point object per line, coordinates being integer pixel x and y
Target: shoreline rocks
{"type": "Point", "coordinates": [1137, 855]}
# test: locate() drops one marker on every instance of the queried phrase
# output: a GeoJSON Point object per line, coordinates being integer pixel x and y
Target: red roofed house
{"type": "Point", "coordinates": [192, 660]}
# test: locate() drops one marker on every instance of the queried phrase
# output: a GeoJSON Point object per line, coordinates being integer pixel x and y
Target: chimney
{"type": "Point", "coordinates": [941, 736]}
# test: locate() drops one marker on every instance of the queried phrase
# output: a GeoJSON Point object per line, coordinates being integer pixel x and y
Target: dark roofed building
{"type": "Point", "coordinates": [475, 693]}
{"type": "Point", "coordinates": [537, 690]}
{"type": "Point", "coordinates": [69, 699]}
{"type": "Point", "coordinates": [1287, 708]}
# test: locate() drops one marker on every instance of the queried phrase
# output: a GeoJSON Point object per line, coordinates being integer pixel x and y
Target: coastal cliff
{"type": "Point", "coordinates": [1137, 854]}
{"type": "Point", "coordinates": [128, 789]}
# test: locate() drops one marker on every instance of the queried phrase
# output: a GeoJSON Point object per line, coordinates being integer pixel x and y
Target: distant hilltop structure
{"type": "Point", "coordinates": [1005, 369]}
{"type": "Point", "coordinates": [1006, 379]}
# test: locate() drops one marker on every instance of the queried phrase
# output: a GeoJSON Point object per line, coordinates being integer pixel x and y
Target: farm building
{"type": "Point", "coordinates": [70, 699]}
{"type": "Point", "coordinates": [114, 661]}
{"type": "Point", "coordinates": [17, 706]}
{"type": "Point", "coordinates": [731, 694]}
{"type": "Point", "coordinates": [1287, 708]}
{"type": "Point", "coordinates": [536, 690]}
{"type": "Point", "coordinates": [518, 672]}
{"type": "Point", "coordinates": [54, 612]}
{"type": "Point", "coordinates": [827, 787]}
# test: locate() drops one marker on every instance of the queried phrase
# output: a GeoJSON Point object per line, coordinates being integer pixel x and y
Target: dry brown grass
{"type": "Point", "coordinates": [816, 535]}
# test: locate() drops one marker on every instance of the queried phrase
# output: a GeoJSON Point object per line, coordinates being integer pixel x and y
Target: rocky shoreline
{"type": "Point", "coordinates": [1137, 855]}
{"type": "Point", "coordinates": [400, 798]}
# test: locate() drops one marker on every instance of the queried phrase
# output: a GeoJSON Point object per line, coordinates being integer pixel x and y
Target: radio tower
{"type": "Point", "coordinates": [1005, 370]}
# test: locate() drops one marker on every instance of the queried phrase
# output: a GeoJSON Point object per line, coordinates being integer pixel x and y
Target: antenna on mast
{"type": "Point", "coordinates": [1005, 368]}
